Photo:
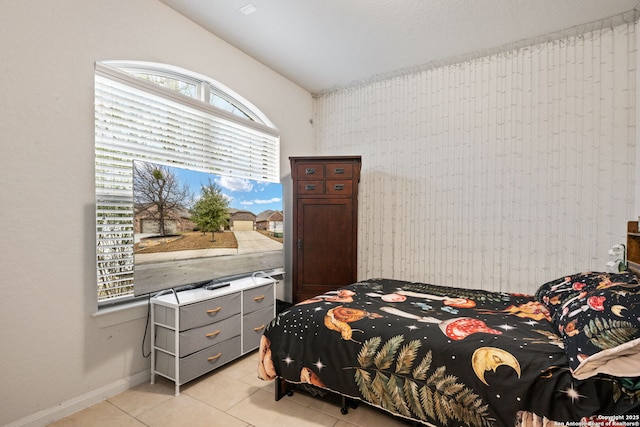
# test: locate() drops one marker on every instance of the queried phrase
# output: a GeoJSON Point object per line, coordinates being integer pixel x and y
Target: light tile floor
{"type": "Point", "coordinates": [228, 397]}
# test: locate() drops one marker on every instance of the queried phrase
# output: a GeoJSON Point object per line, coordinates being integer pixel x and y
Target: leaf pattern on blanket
{"type": "Point", "coordinates": [410, 390]}
{"type": "Point", "coordinates": [605, 333]}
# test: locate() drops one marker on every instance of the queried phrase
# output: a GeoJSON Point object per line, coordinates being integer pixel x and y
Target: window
{"type": "Point", "coordinates": [168, 116]}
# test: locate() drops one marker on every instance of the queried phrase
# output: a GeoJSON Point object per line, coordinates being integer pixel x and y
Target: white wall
{"type": "Point", "coordinates": [55, 354]}
{"type": "Point", "coordinates": [502, 172]}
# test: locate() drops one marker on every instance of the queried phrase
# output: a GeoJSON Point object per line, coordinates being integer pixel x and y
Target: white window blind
{"type": "Point", "coordinates": [137, 120]}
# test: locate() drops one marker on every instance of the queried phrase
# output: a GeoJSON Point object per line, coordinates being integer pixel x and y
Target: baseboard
{"type": "Point", "coordinates": [71, 406]}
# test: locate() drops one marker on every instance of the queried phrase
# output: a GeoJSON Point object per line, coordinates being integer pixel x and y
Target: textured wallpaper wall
{"type": "Point", "coordinates": [501, 172]}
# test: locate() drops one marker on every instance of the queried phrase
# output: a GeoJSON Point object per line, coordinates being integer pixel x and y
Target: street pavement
{"type": "Point", "coordinates": [255, 252]}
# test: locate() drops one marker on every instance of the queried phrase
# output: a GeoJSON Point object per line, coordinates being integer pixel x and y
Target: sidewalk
{"type": "Point", "coordinates": [248, 242]}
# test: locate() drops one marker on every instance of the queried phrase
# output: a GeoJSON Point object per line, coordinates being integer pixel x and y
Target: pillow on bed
{"type": "Point", "coordinates": [597, 315]}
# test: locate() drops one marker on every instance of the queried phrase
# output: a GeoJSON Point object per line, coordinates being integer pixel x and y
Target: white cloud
{"type": "Point", "coordinates": [264, 202]}
{"type": "Point", "coordinates": [235, 184]}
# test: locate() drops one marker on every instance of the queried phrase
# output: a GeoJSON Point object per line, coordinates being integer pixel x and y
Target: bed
{"type": "Point", "coordinates": [444, 356]}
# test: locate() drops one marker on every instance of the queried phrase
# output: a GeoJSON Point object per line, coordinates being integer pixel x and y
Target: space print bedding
{"type": "Point", "coordinates": [444, 356]}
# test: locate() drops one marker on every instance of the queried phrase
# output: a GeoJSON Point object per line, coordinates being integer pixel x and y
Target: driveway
{"type": "Point", "coordinates": [252, 241]}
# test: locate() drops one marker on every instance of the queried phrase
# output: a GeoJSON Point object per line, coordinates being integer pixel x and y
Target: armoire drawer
{"type": "Point", "coordinates": [310, 187]}
{"type": "Point", "coordinates": [337, 188]}
{"type": "Point", "coordinates": [339, 170]}
{"type": "Point", "coordinates": [310, 171]}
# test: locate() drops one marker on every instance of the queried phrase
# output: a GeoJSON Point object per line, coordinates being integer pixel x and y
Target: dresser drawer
{"type": "Point", "coordinates": [201, 362]}
{"type": "Point", "coordinates": [308, 171]}
{"type": "Point", "coordinates": [339, 170]}
{"type": "Point", "coordinates": [258, 298]}
{"type": "Point", "coordinates": [198, 338]}
{"type": "Point", "coordinates": [203, 313]}
{"type": "Point", "coordinates": [336, 188]}
{"type": "Point", "coordinates": [253, 327]}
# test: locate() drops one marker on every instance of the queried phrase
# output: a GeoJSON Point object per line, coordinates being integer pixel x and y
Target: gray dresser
{"type": "Point", "coordinates": [199, 330]}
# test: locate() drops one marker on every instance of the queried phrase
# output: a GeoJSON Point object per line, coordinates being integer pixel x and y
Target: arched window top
{"type": "Point", "coordinates": [193, 85]}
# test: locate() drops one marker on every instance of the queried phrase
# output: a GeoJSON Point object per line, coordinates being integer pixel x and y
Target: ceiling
{"type": "Point", "coordinates": [327, 44]}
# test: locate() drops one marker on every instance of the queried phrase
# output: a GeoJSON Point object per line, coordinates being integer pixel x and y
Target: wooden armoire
{"type": "Point", "coordinates": [633, 247]}
{"type": "Point", "coordinates": [325, 227]}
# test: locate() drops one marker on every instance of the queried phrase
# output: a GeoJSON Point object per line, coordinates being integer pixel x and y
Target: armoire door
{"type": "Point", "coordinates": [325, 250]}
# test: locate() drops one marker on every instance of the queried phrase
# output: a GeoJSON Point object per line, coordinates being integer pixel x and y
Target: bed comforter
{"type": "Point", "coordinates": [449, 356]}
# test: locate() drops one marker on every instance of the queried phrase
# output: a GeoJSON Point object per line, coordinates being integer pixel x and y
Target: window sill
{"type": "Point", "coordinates": [121, 313]}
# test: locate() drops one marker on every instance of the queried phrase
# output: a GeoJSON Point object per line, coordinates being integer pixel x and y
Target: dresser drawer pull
{"type": "Point", "coordinates": [338, 187]}
{"type": "Point", "coordinates": [212, 358]}
{"type": "Point", "coordinates": [214, 310]}
{"type": "Point", "coordinates": [258, 299]}
{"type": "Point", "coordinates": [212, 334]}
{"type": "Point", "coordinates": [338, 171]}
{"type": "Point", "coordinates": [259, 328]}
{"type": "Point", "coordinates": [310, 171]}
{"type": "Point", "coordinates": [310, 187]}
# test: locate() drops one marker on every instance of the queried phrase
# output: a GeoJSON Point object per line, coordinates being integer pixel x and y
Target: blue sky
{"type": "Point", "coordinates": [251, 195]}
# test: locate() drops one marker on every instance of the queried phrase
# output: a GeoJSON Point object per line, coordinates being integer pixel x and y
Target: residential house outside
{"type": "Point", "coordinates": [241, 220]}
{"type": "Point", "coordinates": [272, 221]}
{"type": "Point", "coordinates": [176, 220]}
